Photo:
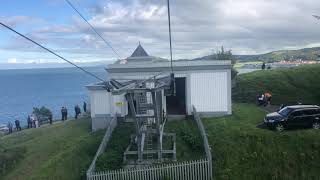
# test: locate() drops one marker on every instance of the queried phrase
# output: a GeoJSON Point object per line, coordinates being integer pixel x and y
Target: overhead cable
{"type": "Point", "coordinates": [93, 29]}
{"type": "Point", "coordinates": [29, 39]}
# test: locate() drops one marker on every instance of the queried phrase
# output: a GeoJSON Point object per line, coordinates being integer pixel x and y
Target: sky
{"type": "Point", "coordinates": [198, 28]}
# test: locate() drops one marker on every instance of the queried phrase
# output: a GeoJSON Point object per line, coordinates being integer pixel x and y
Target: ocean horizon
{"type": "Point", "coordinates": [23, 89]}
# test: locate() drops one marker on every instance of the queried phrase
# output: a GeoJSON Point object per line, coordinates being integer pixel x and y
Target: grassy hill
{"type": "Point", "coordinates": [288, 86]}
{"type": "Point", "coordinates": [58, 151]}
{"type": "Point", "coordinates": [304, 54]}
{"type": "Point", "coordinates": [241, 150]}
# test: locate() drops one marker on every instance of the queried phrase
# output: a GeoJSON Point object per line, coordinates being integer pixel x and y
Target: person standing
{"type": "Point", "coordinates": [62, 114]}
{"type": "Point", "coordinates": [50, 117]}
{"type": "Point", "coordinates": [29, 122]}
{"type": "Point", "coordinates": [84, 107]}
{"type": "Point", "coordinates": [17, 122]}
{"type": "Point", "coordinates": [10, 127]}
{"type": "Point", "coordinates": [65, 113]}
{"type": "Point", "coordinates": [268, 97]}
{"type": "Point", "coordinates": [36, 122]}
{"type": "Point", "coordinates": [77, 111]}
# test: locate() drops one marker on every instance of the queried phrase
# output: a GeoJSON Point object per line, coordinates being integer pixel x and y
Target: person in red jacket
{"type": "Point", "coordinates": [268, 97]}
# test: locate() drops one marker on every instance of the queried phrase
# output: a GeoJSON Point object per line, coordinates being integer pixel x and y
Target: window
{"type": "Point", "coordinates": [285, 111]}
{"type": "Point", "coordinates": [296, 113]}
{"type": "Point", "coordinates": [309, 112]}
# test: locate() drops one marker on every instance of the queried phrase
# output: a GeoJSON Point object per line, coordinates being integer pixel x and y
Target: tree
{"type": "Point", "coordinates": [226, 55]}
{"type": "Point", "coordinates": [41, 112]}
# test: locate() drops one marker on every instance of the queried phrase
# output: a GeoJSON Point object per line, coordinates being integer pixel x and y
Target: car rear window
{"type": "Point", "coordinates": [309, 112]}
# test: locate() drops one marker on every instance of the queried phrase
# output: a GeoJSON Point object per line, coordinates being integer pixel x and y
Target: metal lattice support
{"type": "Point", "coordinates": [145, 100]}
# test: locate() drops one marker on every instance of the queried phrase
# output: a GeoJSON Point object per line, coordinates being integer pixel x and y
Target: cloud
{"type": "Point", "coordinates": [12, 61]}
{"type": "Point", "coordinates": [20, 20]}
{"type": "Point", "coordinates": [198, 27]}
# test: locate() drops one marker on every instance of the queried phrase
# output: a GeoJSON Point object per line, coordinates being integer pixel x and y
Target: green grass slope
{"type": "Point", "coordinates": [58, 151]}
{"type": "Point", "coordinates": [288, 86]}
{"type": "Point", "coordinates": [241, 150]}
{"type": "Point", "coordinates": [188, 142]}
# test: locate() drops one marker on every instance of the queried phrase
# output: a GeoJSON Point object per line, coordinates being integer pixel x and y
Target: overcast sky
{"type": "Point", "coordinates": [199, 27]}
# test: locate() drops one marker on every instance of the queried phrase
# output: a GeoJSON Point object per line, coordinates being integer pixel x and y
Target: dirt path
{"type": "Point", "coordinates": [271, 108]}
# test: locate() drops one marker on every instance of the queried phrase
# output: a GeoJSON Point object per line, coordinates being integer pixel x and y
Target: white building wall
{"type": "Point", "coordinates": [100, 102]}
{"type": "Point", "coordinates": [209, 92]}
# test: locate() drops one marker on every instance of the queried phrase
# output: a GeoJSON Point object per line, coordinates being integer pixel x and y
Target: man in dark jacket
{"type": "Point", "coordinates": [17, 122]}
{"type": "Point", "coordinates": [84, 107]}
{"type": "Point", "coordinates": [62, 114]}
{"type": "Point", "coordinates": [10, 127]}
{"type": "Point", "coordinates": [29, 122]}
{"type": "Point", "coordinates": [77, 111]}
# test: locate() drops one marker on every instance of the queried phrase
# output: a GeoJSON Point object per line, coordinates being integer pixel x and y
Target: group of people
{"type": "Point", "coordinates": [10, 126]}
{"type": "Point", "coordinates": [264, 99]}
{"type": "Point", "coordinates": [77, 110]}
{"type": "Point", "coordinates": [33, 120]}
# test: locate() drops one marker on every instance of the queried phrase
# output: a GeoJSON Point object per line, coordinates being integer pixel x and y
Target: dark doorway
{"type": "Point", "coordinates": [176, 105]}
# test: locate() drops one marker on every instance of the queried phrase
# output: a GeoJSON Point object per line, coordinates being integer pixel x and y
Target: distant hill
{"type": "Point", "coordinates": [303, 54]}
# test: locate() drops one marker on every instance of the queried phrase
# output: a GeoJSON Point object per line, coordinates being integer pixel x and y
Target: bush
{"type": "Point", "coordinates": [43, 111]}
{"type": "Point", "coordinates": [192, 139]}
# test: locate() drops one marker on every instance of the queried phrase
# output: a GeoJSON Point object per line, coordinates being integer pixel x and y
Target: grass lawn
{"type": "Point", "coordinates": [288, 86]}
{"type": "Point", "coordinates": [188, 142]}
{"type": "Point", "coordinates": [58, 151]}
{"type": "Point", "coordinates": [241, 150]}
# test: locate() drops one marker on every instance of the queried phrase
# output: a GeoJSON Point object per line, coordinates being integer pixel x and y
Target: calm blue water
{"type": "Point", "coordinates": [21, 90]}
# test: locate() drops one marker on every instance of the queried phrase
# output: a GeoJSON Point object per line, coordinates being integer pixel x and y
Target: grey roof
{"type": "Point", "coordinates": [157, 66]}
{"type": "Point", "coordinates": [139, 52]}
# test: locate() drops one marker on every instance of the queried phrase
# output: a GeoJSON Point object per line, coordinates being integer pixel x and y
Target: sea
{"type": "Point", "coordinates": [23, 89]}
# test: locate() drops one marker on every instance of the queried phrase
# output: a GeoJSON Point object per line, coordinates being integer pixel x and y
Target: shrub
{"type": "Point", "coordinates": [41, 112]}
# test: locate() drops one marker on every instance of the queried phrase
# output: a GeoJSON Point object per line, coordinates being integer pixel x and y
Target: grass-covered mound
{"type": "Point", "coordinates": [288, 86]}
{"type": "Point", "coordinates": [58, 151]}
{"type": "Point", "coordinates": [241, 150]}
{"type": "Point", "coordinates": [188, 142]}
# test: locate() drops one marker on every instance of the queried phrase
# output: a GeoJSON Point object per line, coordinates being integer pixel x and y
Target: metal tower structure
{"type": "Point", "coordinates": [145, 99]}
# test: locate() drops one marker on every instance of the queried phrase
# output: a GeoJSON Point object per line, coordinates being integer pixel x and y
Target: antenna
{"type": "Point", "coordinates": [169, 20]}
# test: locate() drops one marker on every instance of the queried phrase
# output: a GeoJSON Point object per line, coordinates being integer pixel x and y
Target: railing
{"type": "Point", "coordinates": [103, 145]}
{"type": "Point", "coordinates": [207, 147]}
{"type": "Point", "coordinates": [193, 170]}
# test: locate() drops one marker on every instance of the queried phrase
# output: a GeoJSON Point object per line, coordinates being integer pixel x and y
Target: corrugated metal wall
{"type": "Point", "coordinates": [209, 91]}
{"type": "Point", "coordinates": [103, 103]}
{"type": "Point", "coordinates": [100, 103]}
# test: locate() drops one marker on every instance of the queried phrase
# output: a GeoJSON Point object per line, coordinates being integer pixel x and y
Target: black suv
{"type": "Point", "coordinates": [293, 117]}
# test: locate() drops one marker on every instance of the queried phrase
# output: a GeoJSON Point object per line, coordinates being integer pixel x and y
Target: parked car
{"type": "Point", "coordinates": [294, 117]}
{"type": "Point", "coordinates": [4, 129]}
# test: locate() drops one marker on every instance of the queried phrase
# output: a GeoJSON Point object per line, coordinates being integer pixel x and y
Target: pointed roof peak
{"type": "Point", "coordinates": [139, 52]}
